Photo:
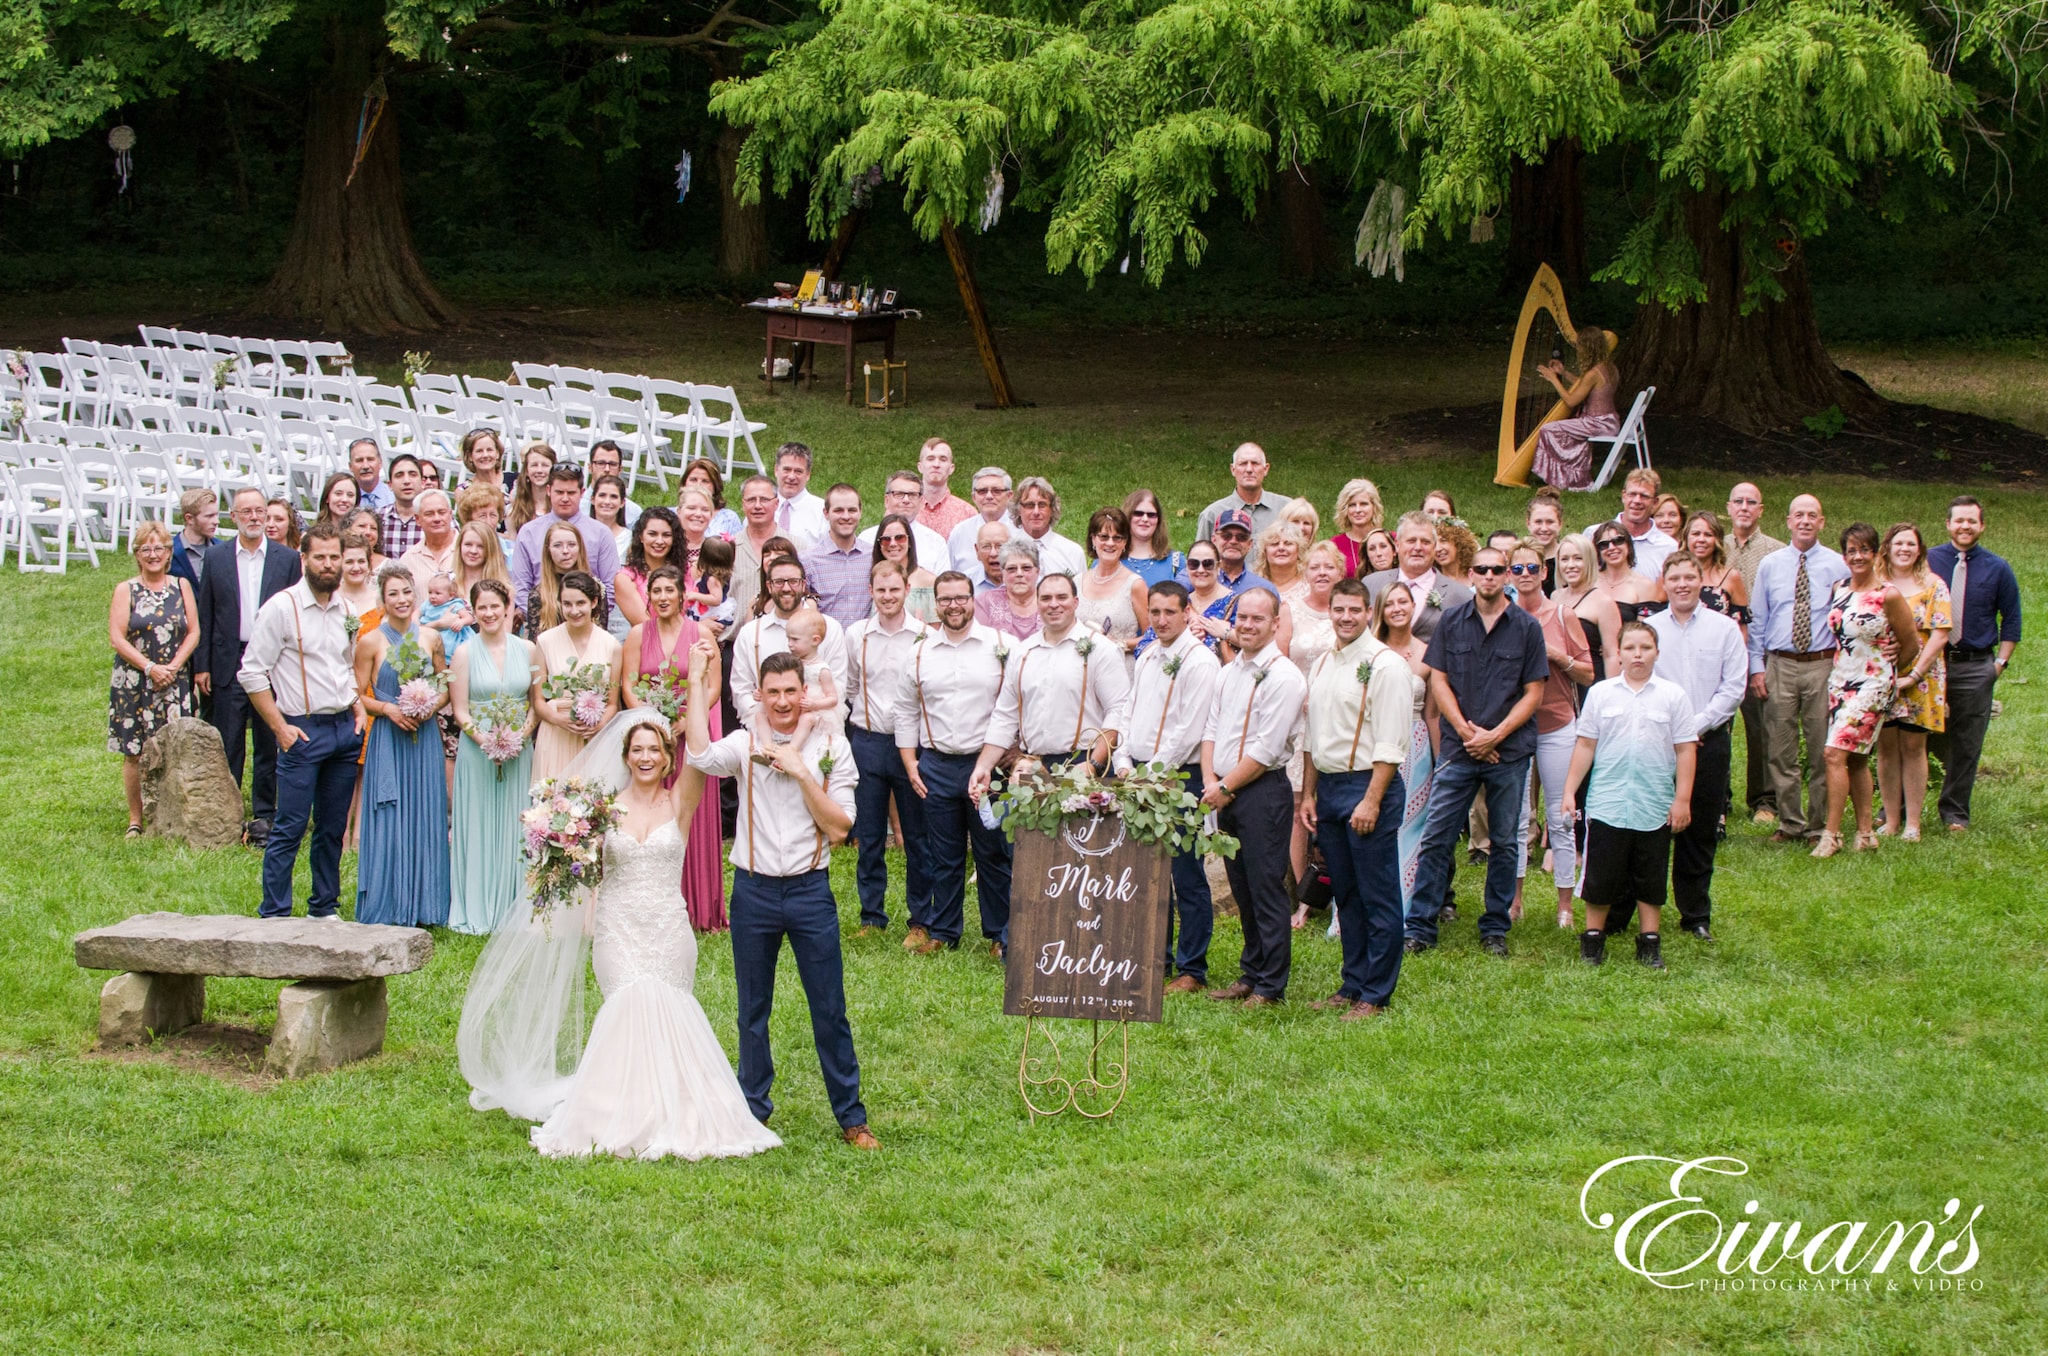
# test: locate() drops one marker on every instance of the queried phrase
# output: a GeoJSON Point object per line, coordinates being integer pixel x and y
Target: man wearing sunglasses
{"type": "Point", "coordinates": [1639, 492]}
{"type": "Point", "coordinates": [1487, 664]}
{"type": "Point", "coordinates": [991, 490]}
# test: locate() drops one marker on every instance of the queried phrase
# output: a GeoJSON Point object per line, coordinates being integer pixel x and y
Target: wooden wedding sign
{"type": "Point", "coordinates": [1088, 924]}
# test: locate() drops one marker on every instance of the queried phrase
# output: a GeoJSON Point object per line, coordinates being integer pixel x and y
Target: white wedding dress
{"type": "Point", "coordinates": [653, 1081]}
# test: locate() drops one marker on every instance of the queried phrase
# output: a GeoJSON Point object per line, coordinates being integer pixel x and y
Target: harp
{"type": "Point", "coordinates": [1528, 402]}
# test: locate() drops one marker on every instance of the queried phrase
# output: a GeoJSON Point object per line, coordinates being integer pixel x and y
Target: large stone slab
{"type": "Point", "coordinates": [322, 1026]}
{"type": "Point", "coordinates": [262, 948]}
{"type": "Point", "coordinates": [136, 1006]}
{"type": "Point", "coordinates": [187, 791]}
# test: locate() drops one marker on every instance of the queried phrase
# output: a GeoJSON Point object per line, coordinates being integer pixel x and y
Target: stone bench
{"type": "Point", "coordinates": [334, 1013]}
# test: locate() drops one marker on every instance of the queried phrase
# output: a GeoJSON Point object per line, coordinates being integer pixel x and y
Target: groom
{"type": "Point", "coordinates": [795, 806]}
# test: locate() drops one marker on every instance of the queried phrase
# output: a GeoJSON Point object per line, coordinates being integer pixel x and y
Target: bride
{"type": "Point", "coordinates": [653, 1080]}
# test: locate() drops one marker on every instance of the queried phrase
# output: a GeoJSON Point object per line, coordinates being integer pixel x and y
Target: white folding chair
{"type": "Point", "coordinates": [156, 336]}
{"type": "Point", "coordinates": [185, 455]}
{"type": "Point", "coordinates": [538, 376]}
{"type": "Point", "coordinates": [153, 418]}
{"type": "Point", "coordinates": [625, 386]}
{"type": "Point", "coordinates": [48, 518]}
{"type": "Point", "coordinates": [442, 433]}
{"type": "Point", "coordinates": [82, 380]}
{"type": "Point", "coordinates": [580, 378]}
{"type": "Point", "coordinates": [99, 484]}
{"type": "Point", "coordinates": [680, 424]}
{"type": "Point", "coordinates": [153, 488]}
{"type": "Point", "coordinates": [625, 422]}
{"type": "Point", "coordinates": [531, 423]}
{"type": "Point", "coordinates": [482, 388]}
{"type": "Point", "coordinates": [1631, 434]}
{"type": "Point", "coordinates": [238, 463]}
{"type": "Point", "coordinates": [330, 357]}
{"type": "Point", "coordinates": [47, 392]}
{"type": "Point", "coordinates": [718, 414]}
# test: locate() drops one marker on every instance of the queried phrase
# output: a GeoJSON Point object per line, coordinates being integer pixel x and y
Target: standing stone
{"type": "Point", "coordinates": [187, 791]}
{"type": "Point", "coordinates": [322, 1024]}
{"type": "Point", "coordinates": [138, 1004]}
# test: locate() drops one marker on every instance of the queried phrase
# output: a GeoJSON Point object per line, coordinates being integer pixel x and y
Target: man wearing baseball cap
{"type": "Point", "coordinates": [1232, 536]}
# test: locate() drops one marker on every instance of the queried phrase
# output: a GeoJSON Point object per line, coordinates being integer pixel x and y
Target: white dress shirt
{"type": "Point", "coordinates": [1352, 725]}
{"type": "Point", "coordinates": [1705, 656]}
{"type": "Point", "coordinates": [300, 653]}
{"type": "Point", "coordinates": [1055, 699]}
{"type": "Point", "coordinates": [775, 834]}
{"type": "Point", "coordinates": [1259, 718]}
{"type": "Point", "coordinates": [801, 519]}
{"type": "Point", "coordinates": [1165, 715]}
{"type": "Point", "coordinates": [960, 545]}
{"type": "Point", "coordinates": [249, 579]}
{"type": "Point", "coordinates": [1057, 555]}
{"type": "Point", "coordinates": [952, 689]}
{"type": "Point", "coordinates": [425, 562]}
{"type": "Point", "coordinates": [878, 669]}
{"type": "Point", "coordinates": [769, 634]}
{"type": "Point", "coordinates": [932, 552]}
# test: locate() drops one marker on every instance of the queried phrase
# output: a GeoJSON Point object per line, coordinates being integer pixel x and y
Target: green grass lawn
{"type": "Point", "coordinates": [1864, 1034]}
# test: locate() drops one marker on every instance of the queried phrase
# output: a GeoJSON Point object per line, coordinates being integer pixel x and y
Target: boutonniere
{"type": "Point", "coordinates": [1259, 676]}
{"type": "Point", "coordinates": [1171, 668]}
{"type": "Point", "coordinates": [1002, 654]}
{"type": "Point", "coordinates": [1085, 646]}
{"type": "Point", "coordinates": [351, 625]}
{"type": "Point", "coordinates": [1435, 599]}
{"type": "Point", "coordinates": [919, 637]}
{"type": "Point", "coordinates": [1365, 675]}
{"type": "Point", "coordinates": [826, 763]}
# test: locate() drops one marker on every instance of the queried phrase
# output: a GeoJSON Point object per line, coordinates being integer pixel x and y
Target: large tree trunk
{"type": "Point", "coordinates": [1305, 251]}
{"type": "Point", "coordinates": [1764, 370]}
{"type": "Point", "coordinates": [742, 226]}
{"type": "Point", "coordinates": [1003, 397]}
{"type": "Point", "coordinates": [350, 264]}
{"type": "Point", "coordinates": [1547, 217]}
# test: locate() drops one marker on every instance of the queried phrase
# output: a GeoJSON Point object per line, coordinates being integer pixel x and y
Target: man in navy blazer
{"type": "Point", "coordinates": [227, 616]}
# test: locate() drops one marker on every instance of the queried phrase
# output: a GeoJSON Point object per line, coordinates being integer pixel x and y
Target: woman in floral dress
{"type": "Point", "coordinates": [1921, 707]}
{"type": "Point", "coordinates": [1865, 614]}
{"type": "Point", "coordinates": [153, 627]}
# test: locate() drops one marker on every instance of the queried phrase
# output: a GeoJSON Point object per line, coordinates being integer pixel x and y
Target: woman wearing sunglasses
{"type": "Point", "coordinates": [1636, 596]}
{"type": "Point", "coordinates": [1151, 555]}
{"type": "Point", "coordinates": [1210, 595]}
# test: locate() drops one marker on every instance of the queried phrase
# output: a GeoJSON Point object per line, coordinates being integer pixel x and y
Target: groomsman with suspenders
{"type": "Point", "coordinates": [1061, 692]}
{"type": "Point", "coordinates": [1254, 730]}
{"type": "Point", "coordinates": [942, 718]}
{"type": "Point", "coordinates": [796, 805]}
{"type": "Point", "coordinates": [1361, 704]}
{"type": "Point", "coordinates": [1163, 719]}
{"type": "Point", "coordinates": [879, 654]}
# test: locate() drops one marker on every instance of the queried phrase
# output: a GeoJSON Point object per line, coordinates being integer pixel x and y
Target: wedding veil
{"type": "Point", "coordinates": [522, 1027]}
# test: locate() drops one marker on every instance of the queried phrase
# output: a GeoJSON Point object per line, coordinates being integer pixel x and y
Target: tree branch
{"type": "Point", "coordinates": [711, 34]}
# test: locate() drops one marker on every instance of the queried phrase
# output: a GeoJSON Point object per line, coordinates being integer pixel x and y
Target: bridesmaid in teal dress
{"type": "Point", "coordinates": [402, 860]}
{"type": "Point", "coordinates": [487, 854]}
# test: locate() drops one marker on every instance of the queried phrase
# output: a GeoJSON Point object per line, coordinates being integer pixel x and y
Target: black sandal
{"type": "Point", "coordinates": [135, 831]}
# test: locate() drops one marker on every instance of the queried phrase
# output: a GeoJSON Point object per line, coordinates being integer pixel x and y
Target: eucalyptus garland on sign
{"type": "Point", "coordinates": [1154, 805]}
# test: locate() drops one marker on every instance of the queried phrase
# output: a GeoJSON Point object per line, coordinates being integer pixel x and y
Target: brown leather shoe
{"type": "Point", "coordinates": [1335, 1000]}
{"type": "Point", "coordinates": [930, 946]}
{"type": "Point", "coordinates": [915, 938]}
{"type": "Point", "coordinates": [1259, 1000]}
{"type": "Point", "coordinates": [1185, 984]}
{"type": "Point", "coordinates": [1231, 994]}
{"type": "Point", "coordinates": [995, 951]}
{"type": "Point", "coordinates": [1360, 1010]}
{"type": "Point", "coordinates": [860, 1137]}
{"type": "Point", "coordinates": [1783, 837]}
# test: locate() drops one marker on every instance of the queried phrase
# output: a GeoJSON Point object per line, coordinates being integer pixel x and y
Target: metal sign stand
{"type": "Point", "coordinates": [1045, 1074]}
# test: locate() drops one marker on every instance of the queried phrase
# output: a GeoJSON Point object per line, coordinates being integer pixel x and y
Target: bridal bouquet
{"type": "Point", "coordinates": [419, 687]}
{"type": "Point", "coordinates": [665, 691]}
{"type": "Point", "coordinates": [565, 822]}
{"type": "Point", "coordinates": [586, 686]}
{"type": "Point", "coordinates": [500, 728]}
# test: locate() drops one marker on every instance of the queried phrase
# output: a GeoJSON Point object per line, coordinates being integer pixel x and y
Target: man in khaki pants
{"type": "Point", "coordinates": [1791, 651]}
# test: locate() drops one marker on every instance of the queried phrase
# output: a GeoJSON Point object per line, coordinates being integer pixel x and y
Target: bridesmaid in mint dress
{"type": "Point", "coordinates": [402, 859]}
{"type": "Point", "coordinates": [487, 860]}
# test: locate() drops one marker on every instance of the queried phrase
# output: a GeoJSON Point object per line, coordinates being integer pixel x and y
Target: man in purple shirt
{"type": "Point", "coordinates": [565, 498]}
{"type": "Point", "coordinates": [837, 566]}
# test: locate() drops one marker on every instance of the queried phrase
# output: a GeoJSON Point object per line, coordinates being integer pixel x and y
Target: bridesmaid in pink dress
{"type": "Point", "coordinates": [666, 637]}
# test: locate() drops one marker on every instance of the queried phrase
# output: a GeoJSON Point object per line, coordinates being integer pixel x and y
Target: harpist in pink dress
{"type": "Point", "coordinates": [1564, 458]}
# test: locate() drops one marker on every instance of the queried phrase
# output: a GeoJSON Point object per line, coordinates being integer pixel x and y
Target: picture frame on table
{"type": "Point", "coordinates": [889, 300]}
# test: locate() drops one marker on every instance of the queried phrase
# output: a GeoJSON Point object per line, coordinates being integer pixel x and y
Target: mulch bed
{"type": "Point", "coordinates": [1900, 442]}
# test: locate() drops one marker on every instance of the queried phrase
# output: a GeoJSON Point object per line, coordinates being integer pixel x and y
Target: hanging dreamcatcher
{"type": "Point", "coordinates": [122, 142]}
{"type": "Point", "coordinates": [375, 100]}
{"type": "Point", "coordinates": [992, 200]}
{"type": "Point", "coordinates": [1379, 246]}
{"type": "Point", "coordinates": [683, 177]}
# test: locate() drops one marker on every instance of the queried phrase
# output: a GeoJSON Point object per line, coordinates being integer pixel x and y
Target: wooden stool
{"type": "Point", "coordinates": [895, 383]}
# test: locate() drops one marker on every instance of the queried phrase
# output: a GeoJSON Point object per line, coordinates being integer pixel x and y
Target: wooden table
{"type": "Point", "coordinates": [821, 327]}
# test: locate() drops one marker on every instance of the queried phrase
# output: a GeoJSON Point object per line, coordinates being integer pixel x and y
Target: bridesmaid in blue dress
{"type": "Point", "coordinates": [486, 861]}
{"type": "Point", "coordinates": [402, 861]}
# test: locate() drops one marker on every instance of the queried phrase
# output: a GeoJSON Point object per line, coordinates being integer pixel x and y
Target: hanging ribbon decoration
{"type": "Point", "coordinates": [122, 141]}
{"type": "Point", "coordinates": [683, 177]}
{"type": "Point", "coordinates": [375, 100]}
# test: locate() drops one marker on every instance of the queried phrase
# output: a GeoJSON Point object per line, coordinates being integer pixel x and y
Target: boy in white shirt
{"type": "Point", "coordinates": [1640, 727]}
